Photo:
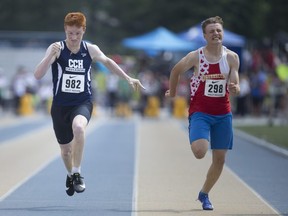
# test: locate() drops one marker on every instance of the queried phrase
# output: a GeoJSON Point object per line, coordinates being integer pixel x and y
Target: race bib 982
{"type": "Point", "coordinates": [72, 83]}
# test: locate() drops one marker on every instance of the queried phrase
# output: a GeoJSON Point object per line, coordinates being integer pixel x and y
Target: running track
{"type": "Point", "coordinates": [134, 167]}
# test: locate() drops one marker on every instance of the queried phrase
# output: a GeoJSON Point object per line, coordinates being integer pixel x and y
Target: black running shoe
{"type": "Point", "coordinates": [69, 186]}
{"type": "Point", "coordinates": [78, 183]}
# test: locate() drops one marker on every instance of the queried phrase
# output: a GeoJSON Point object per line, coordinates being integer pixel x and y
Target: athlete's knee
{"type": "Point", "coordinates": [78, 129]}
{"type": "Point", "coordinates": [199, 154]}
{"type": "Point", "coordinates": [219, 158]}
{"type": "Point", "coordinates": [199, 148]}
{"type": "Point", "coordinates": [79, 125]}
{"type": "Point", "coordinates": [219, 162]}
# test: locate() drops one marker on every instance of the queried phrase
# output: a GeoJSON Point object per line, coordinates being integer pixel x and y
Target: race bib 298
{"type": "Point", "coordinates": [215, 88]}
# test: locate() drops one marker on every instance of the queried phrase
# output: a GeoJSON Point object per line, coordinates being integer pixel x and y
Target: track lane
{"type": "Point", "coordinates": [166, 183]}
{"type": "Point", "coordinates": [108, 169]}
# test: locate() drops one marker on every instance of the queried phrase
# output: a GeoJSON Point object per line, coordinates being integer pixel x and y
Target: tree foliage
{"type": "Point", "coordinates": [109, 21]}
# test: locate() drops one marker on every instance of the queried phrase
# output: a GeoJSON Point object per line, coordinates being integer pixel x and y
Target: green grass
{"type": "Point", "coordinates": [277, 135]}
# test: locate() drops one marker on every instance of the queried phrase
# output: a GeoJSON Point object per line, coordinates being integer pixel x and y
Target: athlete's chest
{"type": "Point", "coordinates": [75, 63]}
{"type": "Point", "coordinates": [75, 70]}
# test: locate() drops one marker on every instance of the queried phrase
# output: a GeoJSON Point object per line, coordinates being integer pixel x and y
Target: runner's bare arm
{"type": "Point", "coordinates": [234, 87]}
{"type": "Point", "coordinates": [182, 66]}
{"type": "Point", "coordinates": [98, 55]}
{"type": "Point", "coordinates": [52, 53]}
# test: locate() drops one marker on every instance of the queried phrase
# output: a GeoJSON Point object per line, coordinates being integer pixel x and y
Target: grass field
{"type": "Point", "coordinates": [277, 135]}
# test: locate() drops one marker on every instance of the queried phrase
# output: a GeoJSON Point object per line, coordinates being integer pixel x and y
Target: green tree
{"type": "Point", "coordinates": [109, 21]}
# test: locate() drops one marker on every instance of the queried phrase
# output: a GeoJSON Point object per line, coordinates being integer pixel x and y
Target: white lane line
{"type": "Point", "coordinates": [94, 124]}
{"type": "Point", "coordinates": [260, 142]}
{"type": "Point", "coordinates": [136, 165]}
{"type": "Point", "coordinates": [251, 189]}
{"type": "Point", "coordinates": [27, 178]}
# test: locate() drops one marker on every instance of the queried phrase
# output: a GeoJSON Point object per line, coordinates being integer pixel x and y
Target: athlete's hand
{"type": "Point", "coordinates": [234, 88]}
{"type": "Point", "coordinates": [168, 94]}
{"type": "Point", "coordinates": [55, 49]}
{"type": "Point", "coordinates": [136, 84]}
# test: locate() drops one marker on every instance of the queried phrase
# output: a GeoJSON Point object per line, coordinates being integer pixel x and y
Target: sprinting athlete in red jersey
{"type": "Point", "coordinates": [215, 77]}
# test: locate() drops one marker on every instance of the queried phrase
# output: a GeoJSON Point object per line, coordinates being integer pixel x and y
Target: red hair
{"type": "Point", "coordinates": [75, 19]}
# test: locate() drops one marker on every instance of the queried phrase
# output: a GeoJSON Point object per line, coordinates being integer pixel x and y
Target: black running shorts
{"type": "Point", "coordinates": [62, 117]}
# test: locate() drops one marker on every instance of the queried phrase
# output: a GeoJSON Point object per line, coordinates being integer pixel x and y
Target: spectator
{"type": "Point", "coordinates": [242, 99]}
{"type": "Point", "coordinates": [259, 90]}
{"type": "Point", "coordinates": [3, 88]}
{"type": "Point", "coordinates": [19, 87]}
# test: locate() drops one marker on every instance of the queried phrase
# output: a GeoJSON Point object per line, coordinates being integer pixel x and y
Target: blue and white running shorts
{"type": "Point", "coordinates": [215, 128]}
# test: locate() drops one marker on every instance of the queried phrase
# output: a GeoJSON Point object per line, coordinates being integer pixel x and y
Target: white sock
{"type": "Point", "coordinates": [76, 170]}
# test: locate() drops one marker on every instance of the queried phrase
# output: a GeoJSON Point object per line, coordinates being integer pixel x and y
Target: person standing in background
{"type": "Point", "coordinates": [243, 97]}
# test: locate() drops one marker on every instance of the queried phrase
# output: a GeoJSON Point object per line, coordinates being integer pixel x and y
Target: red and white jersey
{"type": "Point", "coordinates": [208, 87]}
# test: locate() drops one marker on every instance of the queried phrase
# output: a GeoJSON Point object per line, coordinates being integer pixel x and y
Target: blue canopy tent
{"type": "Point", "coordinates": [159, 39]}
